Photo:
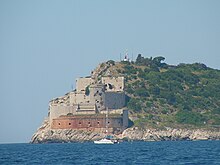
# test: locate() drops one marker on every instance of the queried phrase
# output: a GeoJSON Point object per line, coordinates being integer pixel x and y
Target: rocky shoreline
{"type": "Point", "coordinates": [46, 135]}
{"type": "Point", "coordinates": [170, 134]}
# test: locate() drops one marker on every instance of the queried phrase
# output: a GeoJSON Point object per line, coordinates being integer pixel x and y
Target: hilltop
{"type": "Point", "coordinates": [165, 102]}
{"type": "Point", "coordinates": [162, 95]}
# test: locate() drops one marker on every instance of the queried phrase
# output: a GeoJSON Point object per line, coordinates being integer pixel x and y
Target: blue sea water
{"type": "Point", "coordinates": [164, 152]}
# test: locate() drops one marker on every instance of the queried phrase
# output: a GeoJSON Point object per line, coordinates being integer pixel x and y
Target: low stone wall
{"type": "Point", "coordinates": [58, 110]}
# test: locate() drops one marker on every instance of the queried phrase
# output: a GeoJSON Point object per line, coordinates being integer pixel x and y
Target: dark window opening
{"type": "Point", "coordinates": [58, 123]}
{"type": "Point", "coordinates": [98, 122]}
{"type": "Point", "coordinates": [110, 86]}
{"type": "Point", "coordinates": [80, 123]}
{"type": "Point", "coordinates": [69, 123]}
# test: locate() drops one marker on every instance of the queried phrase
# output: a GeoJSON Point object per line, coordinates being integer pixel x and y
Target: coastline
{"type": "Point", "coordinates": [46, 135]}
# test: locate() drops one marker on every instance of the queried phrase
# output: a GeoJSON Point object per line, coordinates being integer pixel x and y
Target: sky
{"type": "Point", "coordinates": [46, 44]}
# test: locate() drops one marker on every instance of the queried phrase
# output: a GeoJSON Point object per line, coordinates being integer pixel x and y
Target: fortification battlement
{"type": "Point", "coordinates": [90, 97]}
{"type": "Point", "coordinates": [115, 84]}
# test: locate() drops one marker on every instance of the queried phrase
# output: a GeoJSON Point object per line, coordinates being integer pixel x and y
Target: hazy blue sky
{"type": "Point", "coordinates": [46, 44]}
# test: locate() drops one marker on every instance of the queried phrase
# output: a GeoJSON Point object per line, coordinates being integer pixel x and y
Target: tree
{"type": "Point", "coordinates": [157, 60]}
{"type": "Point", "coordinates": [143, 61]}
{"type": "Point", "coordinates": [139, 59]}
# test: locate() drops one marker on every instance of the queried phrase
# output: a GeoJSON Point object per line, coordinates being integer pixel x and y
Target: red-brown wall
{"type": "Point", "coordinates": [89, 123]}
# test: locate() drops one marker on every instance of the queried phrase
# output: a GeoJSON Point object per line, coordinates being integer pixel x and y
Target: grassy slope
{"type": "Point", "coordinates": [187, 95]}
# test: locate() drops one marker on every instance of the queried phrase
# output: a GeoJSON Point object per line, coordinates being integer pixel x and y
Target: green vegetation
{"type": "Point", "coordinates": [167, 95]}
{"type": "Point", "coordinates": [189, 117]}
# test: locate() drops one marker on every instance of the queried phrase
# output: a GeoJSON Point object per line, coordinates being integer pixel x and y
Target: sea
{"type": "Point", "coordinates": [125, 153]}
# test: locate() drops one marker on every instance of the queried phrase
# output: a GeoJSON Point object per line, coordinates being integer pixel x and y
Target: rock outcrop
{"type": "Point", "coordinates": [46, 135]}
{"type": "Point", "coordinates": [170, 134]}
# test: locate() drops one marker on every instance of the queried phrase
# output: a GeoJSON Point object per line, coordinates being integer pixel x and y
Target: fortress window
{"type": "Point", "coordinates": [108, 122]}
{"type": "Point", "coordinates": [98, 122]}
{"type": "Point", "coordinates": [58, 123]}
{"type": "Point", "coordinates": [110, 86]}
{"type": "Point", "coordinates": [69, 123]}
{"type": "Point", "coordinates": [88, 122]}
{"type": "Point", "coordinates": [80, 122]}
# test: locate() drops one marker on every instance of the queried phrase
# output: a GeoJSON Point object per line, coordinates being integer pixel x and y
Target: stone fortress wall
{"type": "Point", "coordinates": [90, 123]}
{"type": "Point", "coordinates": [113, 84]}
{"type": "Point", "coordinates": [91, 97]}
{"type": "Point", "coordinates": [82, 83]}
{"type": "Point", "coordinates": [114, 100]}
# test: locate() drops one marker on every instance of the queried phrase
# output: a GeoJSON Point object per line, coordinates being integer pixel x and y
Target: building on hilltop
{"type": "Point", "coordinates": [86, 107]}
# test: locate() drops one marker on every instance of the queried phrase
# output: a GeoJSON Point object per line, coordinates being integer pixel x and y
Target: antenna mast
{"type": "Point", "coordinates": [132, 57]}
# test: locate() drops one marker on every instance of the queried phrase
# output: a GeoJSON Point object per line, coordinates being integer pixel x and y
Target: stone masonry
{"type": "Point", "coordinates": [87, 104]}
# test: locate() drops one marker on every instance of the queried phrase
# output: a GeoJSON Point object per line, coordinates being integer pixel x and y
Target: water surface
{"type": "Point", "coordinates": [165, 152]}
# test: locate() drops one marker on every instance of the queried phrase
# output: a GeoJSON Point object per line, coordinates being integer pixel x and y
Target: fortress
{"type": "Point", "coordinates": [96, 104]}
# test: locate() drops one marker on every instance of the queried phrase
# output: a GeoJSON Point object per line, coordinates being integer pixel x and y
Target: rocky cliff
{"type": "Point", "coordinates": [46, 135]}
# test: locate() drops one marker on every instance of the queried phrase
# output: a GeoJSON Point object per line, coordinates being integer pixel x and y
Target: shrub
{"type": "Point", "coordinates": [111, 62]}
{"type": "Point", "coordinates": [134, 104]}
{"type": "Point", "coordinates": [142, 92]}
{"type": "Point", "coordinates": [216, 111]}
{"type": "Point", "coordinates": [188, 117]}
